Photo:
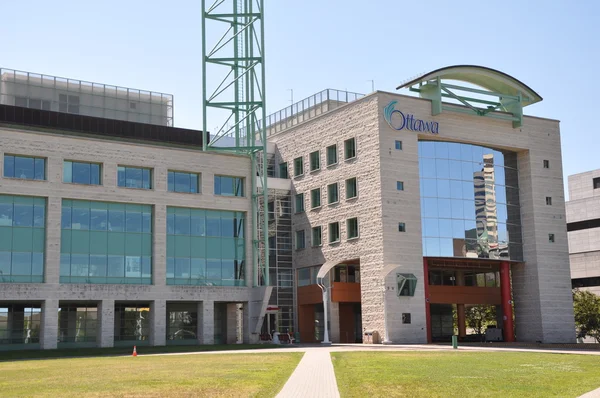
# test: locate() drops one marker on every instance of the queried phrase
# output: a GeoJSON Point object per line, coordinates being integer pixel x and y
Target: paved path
{"type": "Point", "coordinates": [591, 394]}
{"type": "Point", "coordinates": [314, 377]}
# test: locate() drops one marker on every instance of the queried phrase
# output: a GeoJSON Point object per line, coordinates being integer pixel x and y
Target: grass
{"type": "Point", "coordinates": [217, 375]}
{"type": "Point", "coordinates": [117, 351]}
{"type": "Point", "coordinates": [465, 374]}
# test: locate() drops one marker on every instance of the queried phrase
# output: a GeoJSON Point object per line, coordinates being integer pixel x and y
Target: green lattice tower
{"type": "Point", "coordinates": [235, 63]}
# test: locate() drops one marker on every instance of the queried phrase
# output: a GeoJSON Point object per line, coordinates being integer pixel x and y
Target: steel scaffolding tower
{"type": "Point", "coordinates": [236, 64]}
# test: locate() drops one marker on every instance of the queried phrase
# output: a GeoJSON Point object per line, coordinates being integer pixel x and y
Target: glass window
{"type": "Point", "coordinates": [315, 198]}
{"type": "Point", "coordinates": [229, 186]}
{"type": "Point", "coordinates": [332, 193]}
{"type": "Point", "coordinates": [546, 164]}
{"type": "Point", "coordinates": [331, 155]}
{"type": "Point", "coordinates": [334, 232]}
{"type": "Point", "coordinates": [398, 145]}
{"type": "Point", "coordinates": [351, 188]}
{"type": "Point", "coordinates": [298, 167]}
{"type": "Point", "coordinates": [134, 177]}
{"type": "Point", "coordinates": [300, 240]}
{"type": "Point", "coordinates": [548, 201]}
{"type": "Point", "coordinates": [352, 228]}
{"type": "Point", "coordinates": [82, 173]}
{"type": "Point", "coordinates": [299, 203]}
{"type": "Point", "coordinates": [407, 284]}
{"type": "Point", "coordinates": [183, 182]}
{"type": "Point", "coordinates": [316, 236]}
{"type": "Point", "coordinates": [400, 185]}
{"type": "Point", "coordinates": [304, 277]}
{"type": "Point", "coordinates": [596, 183]}
{"type": "Point", "coordinates": [350, 148]}
{"type": "Point", "coordinates": [24, 167]}
{"type": "Point", "coordinates": [315, 160]}
{"type": "Point", "coordinates": [551, 238]}
{"type": "Point", "coordinates": [283, 170]}
{"type": "Point", "coordinates": [401, 227]}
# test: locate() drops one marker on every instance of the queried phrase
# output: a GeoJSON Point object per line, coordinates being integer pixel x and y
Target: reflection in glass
{"type": "Point", "coordinates": [470, 201]}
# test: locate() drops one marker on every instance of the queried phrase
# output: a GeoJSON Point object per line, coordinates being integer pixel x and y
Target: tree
{"type": "Point", "coordinates": [587, 314]}
{"type": "Point", "coordinates": [479, 316]}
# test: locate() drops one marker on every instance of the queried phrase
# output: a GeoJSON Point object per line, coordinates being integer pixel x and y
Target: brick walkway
{"type": "Point", "coordinates": [313, 377]}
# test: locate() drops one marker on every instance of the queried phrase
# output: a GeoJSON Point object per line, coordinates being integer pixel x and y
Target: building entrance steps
{"type": "Point", "coordinates": [313, 377]}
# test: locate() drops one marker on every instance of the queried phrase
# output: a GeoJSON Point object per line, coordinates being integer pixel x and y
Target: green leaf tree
{"type": "Point", "coordinates": [587, 314]}
{"type": "Point", "coordinates": [478, 317]}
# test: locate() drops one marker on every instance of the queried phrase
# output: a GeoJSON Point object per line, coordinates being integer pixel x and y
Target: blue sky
{"type": "Point", "coordinates": [553, 46]}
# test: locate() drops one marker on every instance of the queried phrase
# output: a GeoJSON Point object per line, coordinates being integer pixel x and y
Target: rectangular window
{"type": "Point", "coordinates": [548, 200]}
{"type": "Point", "coordinates": [352, 228]}
{"type": "Point", "coordinates": [24, 167]}
{"type": "Point", "coordinates": [134, 177]}
{"type": "Point", "coordinates": [398, 145]}
{"type": "Point", "coordinates": [401, 227]}
{"type": "Point", "coordinates": [331, 155]}
{"type": "Point", "coordinates": [334, 232]}
{"type": "Point", "coordinates": [229, 186]}
{"type": "Point", "coordinates": [179, 181]}
{"type": "Point", "coordinates": [68, 103]}
{"type": "Point", "coordinates": [300, 240]}
{"type": "Point", "coordinates": [315, 198]}
{"type": "Point", "coordinates": [350, 148]}
{"type": "Point", "coordinates": [551, 238]}
{"type": "Point", "coordinates": [299, 203]}
{"type": "Point", "coordinates": [304, 277]}
{"type": "Point", "coordinates": [33, 103]}
{"type": "Point", "coordinates": [596, 183]}
{"type": "Point", "coordinates": [283, 170]}
{"type": "Point", "coordinates": [332, 193]}
{"type": "Point", "coordinates": [406, 318]}
{"type": "Point", "coordinates": [82, 173]}
{"type": "Point", "coordinates": [351, 188]}
{"type": "Point", "coordinates": [400, 185]}
{"type": "Point", "coordinates": [315, 161]}
{"type": "Point", "coordinates": [298, 167]}
{"type": "Point", "coordinates": [317, 236]}
{"type": "Point", "coordinates": [546, 164]}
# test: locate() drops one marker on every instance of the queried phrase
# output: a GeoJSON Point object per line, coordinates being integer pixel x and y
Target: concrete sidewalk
{"type": "Point", "coordinates": [313, 377]}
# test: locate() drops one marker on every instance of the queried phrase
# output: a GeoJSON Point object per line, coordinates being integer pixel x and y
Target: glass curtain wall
{"type": "Point", "coordinates": [469, 201]}
{"type": "Point", "coordinates": [22, 239]}
{"type": "Point", "coordinates": [77, 323]}
{"type": "Point", "coordinates": [205, 247]}
{"type": "Point", "coordinates": [20, 324]}
{"type": "Point", "coordinates": [132, 323]}
{"type": "Point", "coordinates": [182, 323]}
{"type": "Point", "coordinates": [106, 243]}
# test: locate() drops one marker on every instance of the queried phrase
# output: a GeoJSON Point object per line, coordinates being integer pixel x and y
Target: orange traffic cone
{"type": "Point", "coordinates": [134, 352]}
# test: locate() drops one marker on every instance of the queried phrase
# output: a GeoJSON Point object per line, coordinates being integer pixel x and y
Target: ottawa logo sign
{"type": "Point", "coordinates": [398, 121]}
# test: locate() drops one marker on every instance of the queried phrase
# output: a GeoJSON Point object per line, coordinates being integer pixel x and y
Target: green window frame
{"type": "Point", "coordinates": [352, 228]}
{"type": "Point", "coordinates": [298, 167]}
{"type": "Point", "coordinates": [183, 182]}
{"type": "Point", "coordinates": [22, 239]}
{"type": "Point", "coordinates": [299, 205]}
{"type": "Point", "coordinates": [229, 186]}
{"type": "Point", "coordinates": [334, 232]}
{"type": "Point", "coordinates": [351, 188]}
{"type": "Point", "coordinates": [283, 170]}
{"type": "Point", "coordinates": [85, 173]}
{"type": "Point", "coordinates": [315, 161]}
{"type": "Point", "coordinates": [333, 194]}
{"type": "Point", "coordinates": [315, 198]}
{"type": "Point", "coordinates": [317, 236]}
{"type": "Point", "coordinates": [350, 148]}
{"type": "Point", "coordinates": [332, 155]}
{"type": "Point", "coordinates": [24, 167]}
{"type": "Point", "coordinates": [300, 240]}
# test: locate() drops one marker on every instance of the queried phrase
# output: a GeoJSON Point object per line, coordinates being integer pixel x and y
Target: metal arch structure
{"type": "Point", "coordinates": [236, 63]}
{"type": "Point", "coordinates": [509, 95]}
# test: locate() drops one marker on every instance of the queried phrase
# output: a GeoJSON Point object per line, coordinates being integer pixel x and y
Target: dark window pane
{"type": "Point", "coordinates": [24, 167]}
{"type": "Point", "coordinates": [95, 174]}
{"type": "Point", "coordinates": [134, 177]}
{"type": "Point", "coordinates": [99, 219]}
{"type": "Point", "coordinates": [134, 221]}
{"type": "Point", "coordinates": [66, 218]}
{"type": "Point", "coordinates": [23, 215]}
{"type": "Point", "coordinates": [116, 220]}
{"type": "Point", "coordinates": [146, 179]}
{"type": "Point", "coordinates": [194, 183]}
{"type": "Point", "coordinates": [81, 173]}
{"type": "Point", "coordinates": [9, 166]}
{"type": "Point", "coordinates": [39, 216]}
{"type": "Point", "coordinates": [121, 177]}
{"type": "Point", "coordinates": [147, 223]}
{"type": "Point", "coordinates": [81, 219]}
{"type": "Point", "coordinates": [182, 225]}
{"type": "Point", "coordinates": [217, 185]}
{"type": "Point", "coordinates": [40, 169]}
{"type": "Point", "coordinates": [182, 182]}
{"type": "Point", "coordinates": [171, 181]}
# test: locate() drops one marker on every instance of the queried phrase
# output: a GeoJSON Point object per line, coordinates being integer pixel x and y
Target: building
{"type": "Point", "coordinates": [116, 228]}
{"type": "Point", "coordinates": [408, 211]}
{"type": "Point", "coordinates": [583, 226]}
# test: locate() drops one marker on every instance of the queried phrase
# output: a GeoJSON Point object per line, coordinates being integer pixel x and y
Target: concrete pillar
{"type": "Point", "coordinates": [334, 322]}
{"type": "Point", "coordinates": [462, 323]}
{"type": "Point", "coordinates": [159, 245]}
{"type": "Point", "coordinates": [49, 329]}
{"type": "Point", "coordinates": [158, 321]}
{"type": "Point", "coordinates": [231, 323]}
{"type": "Point", "coordinates": [250, 337]}
{"type": "Point", "coordinates": [106, 323]}
{"type": "Point", "coordinates": [207, 322]}
{"type": "Point", "coordinates": [53, 232]}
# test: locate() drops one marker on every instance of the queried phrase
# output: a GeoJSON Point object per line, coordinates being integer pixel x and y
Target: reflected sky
{"type": "Point", "coordinates": [469, 201]}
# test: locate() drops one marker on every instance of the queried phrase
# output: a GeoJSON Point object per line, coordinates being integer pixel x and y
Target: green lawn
{"type": "Point", "coordinates": [212, 375]}
{"type": "Point", "coordinates": [464, 374]}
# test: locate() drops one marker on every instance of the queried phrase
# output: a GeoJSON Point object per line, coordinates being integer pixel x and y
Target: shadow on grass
{"type": "Point", "coordinates": [119, 351]}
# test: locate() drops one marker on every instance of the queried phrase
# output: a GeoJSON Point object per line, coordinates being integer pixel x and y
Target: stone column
{"type": "Point", "coordinates": [53, 232]}
{"type": "Point", "coordinates": [158, 320]}
{"type": "Point", "coordinates": [334, 322]}
{"type": "Point", "coordinates": [159, 246]}
{"type": "Point", "coordinates": [49, 329]}
{"type": "Point", "coordinates": [207, 322]}
{"type": "Point", "coordinates": [106, 323]}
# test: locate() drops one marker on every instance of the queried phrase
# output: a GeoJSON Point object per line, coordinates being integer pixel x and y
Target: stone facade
{"type": "Point", "coordinates": [57, 148]}
{"type": "Point", "coordinates": [541, 285]}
